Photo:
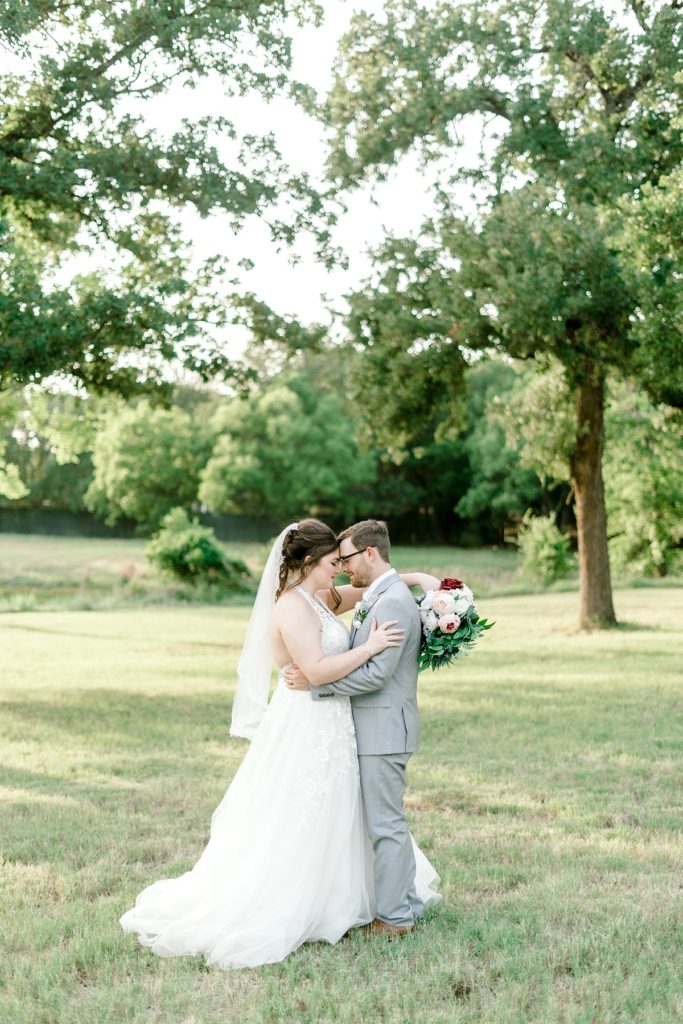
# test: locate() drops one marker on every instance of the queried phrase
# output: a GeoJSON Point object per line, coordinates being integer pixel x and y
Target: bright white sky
{"type": "Point", "coordinates": [398, 206]}
{"type": "Point", "coordinates": [401, 203]}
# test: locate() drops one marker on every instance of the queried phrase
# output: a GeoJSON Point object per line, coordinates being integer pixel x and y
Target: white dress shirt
{"type": "Point", "coordinates": [375, 583]}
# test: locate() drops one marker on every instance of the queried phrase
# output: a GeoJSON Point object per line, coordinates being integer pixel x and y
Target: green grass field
{"type": "Point", "coordinates": [548, 792]}
{"type": "Point", "coordinates": [84, 573]}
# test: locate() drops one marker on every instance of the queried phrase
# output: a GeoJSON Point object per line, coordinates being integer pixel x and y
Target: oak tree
{"type": "Point", "coordinates": [578, 109]}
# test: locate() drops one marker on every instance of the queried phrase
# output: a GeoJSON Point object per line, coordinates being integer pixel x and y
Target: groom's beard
{"type": "Point", "coordinates": [360, 581]}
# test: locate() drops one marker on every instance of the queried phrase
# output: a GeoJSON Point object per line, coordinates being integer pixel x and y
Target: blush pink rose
{"type": "Point", "coordinates": [449, 623]}
{"type": "Point", "coordinates": [443, 603]}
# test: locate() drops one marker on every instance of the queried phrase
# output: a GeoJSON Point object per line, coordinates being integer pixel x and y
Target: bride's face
{"type": "Point", "coordinates": [325, 572]}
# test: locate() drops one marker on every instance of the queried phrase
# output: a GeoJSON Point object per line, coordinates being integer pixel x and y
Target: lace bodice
{"type": "Point", "coordinates": [334, 636]}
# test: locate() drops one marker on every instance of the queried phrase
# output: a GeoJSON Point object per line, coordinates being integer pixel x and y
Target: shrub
{"type": "Point", "coordinates": [188, 551]}
{"type": "Point", "coordinates": [546, 550]}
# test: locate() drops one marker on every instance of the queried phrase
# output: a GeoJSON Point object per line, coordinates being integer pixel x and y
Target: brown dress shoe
{"type": "Point", "coordinates": [378, 927]}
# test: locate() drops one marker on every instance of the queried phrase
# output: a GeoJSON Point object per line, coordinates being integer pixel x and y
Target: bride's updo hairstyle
{"type": "Point", "coordinates": [302, 549]}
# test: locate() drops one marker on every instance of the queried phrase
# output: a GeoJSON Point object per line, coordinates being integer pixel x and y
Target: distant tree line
{"type": "Point", "coordinates": [301, 443]}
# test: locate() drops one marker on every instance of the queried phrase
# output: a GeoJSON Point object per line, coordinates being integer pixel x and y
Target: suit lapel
{"type": "Point", "coordinates": [387, 582]}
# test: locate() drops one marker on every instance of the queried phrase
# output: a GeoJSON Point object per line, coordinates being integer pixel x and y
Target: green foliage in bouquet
{"type": "Point", "coordinates": [189, 552]}
{"type": "Point", "coordinates": [439, 649]}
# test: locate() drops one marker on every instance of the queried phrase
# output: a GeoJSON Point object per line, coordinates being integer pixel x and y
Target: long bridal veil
{"type": "Point", "coordinates": [255, 666]}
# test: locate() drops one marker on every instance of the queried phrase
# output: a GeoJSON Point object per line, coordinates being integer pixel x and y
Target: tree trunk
{"type": "Point", "coordinates": [597, 609]}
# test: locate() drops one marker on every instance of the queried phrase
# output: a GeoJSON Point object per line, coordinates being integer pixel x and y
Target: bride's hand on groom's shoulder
{"type": "Point", "coordinates": [295, 679]}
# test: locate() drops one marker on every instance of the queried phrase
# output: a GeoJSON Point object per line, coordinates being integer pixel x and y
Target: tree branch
{"type": "Point", "coordinates": [615, 102]}
{"type": "Point", "coordinates": [582, 62]}
{"type": "Point", "coordinates": [637, 8]}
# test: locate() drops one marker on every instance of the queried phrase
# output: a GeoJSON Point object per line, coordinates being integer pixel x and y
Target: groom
{"type": "Point", "coordinates": [383, 698]}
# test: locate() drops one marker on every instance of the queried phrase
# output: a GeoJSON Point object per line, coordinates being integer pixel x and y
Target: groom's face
{"type": "Point", "coordinates": [357, 567]}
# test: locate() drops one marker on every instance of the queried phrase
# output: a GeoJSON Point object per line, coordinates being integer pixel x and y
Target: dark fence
{"type": "Point", "coordinates": [237, 528]}
{"type": "Point", "coordinates": [59, 523]}
{"type": "Point", "coordinates": [419, 528]}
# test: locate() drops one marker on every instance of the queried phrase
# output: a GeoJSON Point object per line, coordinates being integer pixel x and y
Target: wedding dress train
{"type": "Point", "coordinates": [288, 860]}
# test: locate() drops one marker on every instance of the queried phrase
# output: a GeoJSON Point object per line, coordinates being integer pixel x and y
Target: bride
{"type": "Point", "coordinates": [288, 860]}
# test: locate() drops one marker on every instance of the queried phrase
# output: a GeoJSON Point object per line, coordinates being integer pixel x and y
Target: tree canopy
{"type": "Point", "coordinates": [146, 462]}
{"type": "Point", "coordinates": [83, 173]}
{"type": "Point", "coordinates": [292, 448]}
{"type": "Point", "coordinates": [578, 106]}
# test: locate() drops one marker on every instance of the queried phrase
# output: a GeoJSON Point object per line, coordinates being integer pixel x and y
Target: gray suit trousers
{"type": "Point", "coordinates": [382, 783]}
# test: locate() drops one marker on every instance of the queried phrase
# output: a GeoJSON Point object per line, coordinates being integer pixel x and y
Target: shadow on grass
{"type": "Point", "coordinates": [79, 821]}
{"type": "Point", "coordinates": [106, 721]}
{"type": "Point", "coordinates": [82, 833]}
{"type": "Point", "coordinates": [64, 632]}
{"type": "Point", "coordinates": [48, 785]}
{"type": "Point", "coordinates": [626, 626]}
{"type": "Point", "coordinates": [123, 718]}
{"type": "Point", "coordinates": [112, 638]}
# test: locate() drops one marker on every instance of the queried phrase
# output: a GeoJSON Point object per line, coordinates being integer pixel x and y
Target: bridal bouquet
{"type": "Point", "coordinates": [450, 624]}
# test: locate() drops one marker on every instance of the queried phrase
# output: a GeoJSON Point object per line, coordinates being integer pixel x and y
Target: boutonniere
{"type": "Point", "coordinates": [361, 614]}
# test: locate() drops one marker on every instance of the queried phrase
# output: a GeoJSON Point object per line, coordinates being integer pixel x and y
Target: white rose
{"type": "Point", "coordinates": [443, 603]}
{"type": "Point", "coordinates": [461, 606]}
{"type": "Point", "coordinates": [466, 592]}
{"type": "Point", "coordinates": [431, 621]}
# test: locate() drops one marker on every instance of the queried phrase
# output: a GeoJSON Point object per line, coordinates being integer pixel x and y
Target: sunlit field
{"type": "Point", "coordinates": [82, 573]}
{"type": "Point", "coordinates": [548, 792]}
{"type": "Point", "coordinates": [86, 573]}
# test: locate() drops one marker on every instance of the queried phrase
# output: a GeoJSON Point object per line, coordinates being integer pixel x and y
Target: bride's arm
{"type": "Point", "coordinates": [300, 633]}
{"type": "Point", "coordinates": [349, 595]}
{"type": "Point", "coordinates": [423, 580]}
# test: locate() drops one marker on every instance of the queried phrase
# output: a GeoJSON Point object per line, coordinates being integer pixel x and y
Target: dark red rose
{"type": "Point", "coordinates": [450, 584]}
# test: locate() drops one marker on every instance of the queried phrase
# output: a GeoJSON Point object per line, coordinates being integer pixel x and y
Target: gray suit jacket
{"type": "Point", "coordinates": [383, 691]}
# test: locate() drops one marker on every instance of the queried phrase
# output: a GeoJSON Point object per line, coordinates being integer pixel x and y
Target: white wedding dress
{"type": "Point", "coordinates": [288, 860]}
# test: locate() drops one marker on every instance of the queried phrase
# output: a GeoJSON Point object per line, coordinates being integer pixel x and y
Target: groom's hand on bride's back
{"type": "Point", "coordinates": [295, 679]}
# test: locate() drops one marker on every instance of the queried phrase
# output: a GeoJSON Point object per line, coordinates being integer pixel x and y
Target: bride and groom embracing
{"type": "Point", "coordinates": [310, 839]}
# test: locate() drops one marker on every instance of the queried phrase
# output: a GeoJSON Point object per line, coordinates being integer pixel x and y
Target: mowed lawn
{"type": "Point", "coordinates": [548, 791]}
{"type": "Point", "coordinates": [86, 573]}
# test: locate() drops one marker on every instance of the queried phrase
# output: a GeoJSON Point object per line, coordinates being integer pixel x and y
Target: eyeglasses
{"type": "Point", "coordinates": [344, 559]}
